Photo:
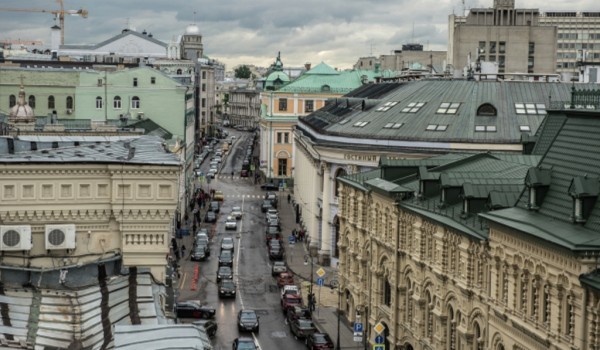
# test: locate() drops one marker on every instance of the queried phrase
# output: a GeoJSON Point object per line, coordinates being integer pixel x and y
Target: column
{"type": "Point", "coordinates": [315, 242]}
{"type": "Point", "coordinates": [326, 241]}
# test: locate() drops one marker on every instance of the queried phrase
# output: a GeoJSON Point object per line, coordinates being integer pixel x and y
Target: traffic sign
{"type": "Point", "coordinates": [320, 272]}
{"type": "Point", "coordinates": [379, 328]}
{"type": "Point", "coordinates": [291, 239]}
{"type": "Point", "coordinates": [357, 338]}
{"type": "Point", "coordinates": [379, 347]}
{"type": "Point", "coordinates": [320, 282]}
{"type": "Point", "coordinates": [379, 339]}
{"type": "Point", "coordinates": [358, 327]}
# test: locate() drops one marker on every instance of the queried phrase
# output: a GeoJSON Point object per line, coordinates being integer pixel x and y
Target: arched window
{"type": "Point", "coordinates": [99, 104]}
{"type": "Point", "coordinates": [32, 101]}
{"type": "Point", "coordinates": [117, 102]}
{"type": "Point", "coordinates": [477, 338]}
{"type": "Point", "coordinates": [336, 225]}
{"type": "Point", "coordinates": [453, 320]}
{"type": "Point", "coordinates": [12, 100]}
{"type": "Point", "coordinates": [387, 292]}
{"type": "Point", "coordinates": [135, 102]}
{"type": "Point", "coordinates": [179, 71]}
{"type": "Point", "coordinates": [69, 102]}
{"type": "Point", "coordinates": [487, 110]}
{"type": "Point", "coordinates": [325, 88]}
{"type": "Point", "coordinates": [50, 102]}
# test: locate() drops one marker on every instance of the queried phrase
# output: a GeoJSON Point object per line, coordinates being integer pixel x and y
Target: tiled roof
{"type": "Point", "coordinates": [141, 150]}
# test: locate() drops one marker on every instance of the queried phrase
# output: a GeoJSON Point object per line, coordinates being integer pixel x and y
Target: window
{"type": "Point", "coordinates": [501, 61]}
{"type": "Point", "coordinates": [69, 102]}
{"type": "Point", "coordinates": [531, 48]}
{"type": "Point", "coordinates": [117, 102]}
{"type": "Point", "coordinates": [134, 82]}
{"type": "Point", "coordinates": [99, 83]}
{"type": "Point", "coordinates": [524, 128]}
{"type": "Point", "coordinates": [492, 47]}
{"type": "Point", "coordinates": [309, 106]}
{"type": "Point", "coordinates": [393, 125]}
{"type": "Point", "coordinates": [32, 101]}
{"type": "Point", "coordinates": [99, 104]}
{"type": "Point", "coordinates": [325, 88]}
{"type": "Point", "coordinates": [485, 128]}
{"type": "Point", "coordinates": [486, 110]}
{"type": "Point", "coordinates": [502, 47]}
{"type": "Point", "coordinates": [279, 137]}
{"type": "Point", "coordinates": [387, 293]}
{"type": "Point", "coordinates": [286, 137]}
{"type": "Point", "coordinates": [481, 47]}
{"type": "Point", "coordinates": [152, 80]}
{"type": "Point", "coordinates": [179, 71]}
{"type": "Point", "coordinates": [436, 127]}
{"type": "Point", "coordinates": [135, 102]}
{"type": "Point", "coordinates": [282, 167]}
{"type": "Point", "coordinates": [413, 107]}
{"type": "Point", "coordinates": [360, 124]}
{"type": "Point", "coordinates": [344, 121]}
{"type": "Point", "coordinates": [448, 108]}
{"type": "Point", "coordinates": [51, 104]}
{"type": "Point", "coordinates": [530, 63]}
{"type": "Point", "coordinates": [530, 108]}
{"type": "Point", "coordinates": [203, 102]}
{"type": "Point", "coordinates": [386, 106]}
{"type": "Point", "coordinates": [12, 100]}
{"type": "Point", "coordinates": [204, 75]}
{"type": "Point", "coordinates": [283, 104]}
{"type": "Point", "coordinates": [203, 87]}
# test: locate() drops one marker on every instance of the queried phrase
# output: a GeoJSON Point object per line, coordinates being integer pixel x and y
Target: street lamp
{"type": "Point", "coordinates": [308, 257]}
{"type": "Point", "coordinates": [335, 285]}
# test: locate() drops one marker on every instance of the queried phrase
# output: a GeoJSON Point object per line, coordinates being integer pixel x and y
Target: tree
{"type": "Point", "coordinates": [242, 72]}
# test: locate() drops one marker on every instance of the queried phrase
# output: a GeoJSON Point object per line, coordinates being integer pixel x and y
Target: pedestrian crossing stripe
{"type": "Point", "coordinates": [245, 196]}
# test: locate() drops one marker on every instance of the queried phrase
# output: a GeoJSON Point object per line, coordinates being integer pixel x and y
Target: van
{"type": "Point", "coordinates": [225, 147]}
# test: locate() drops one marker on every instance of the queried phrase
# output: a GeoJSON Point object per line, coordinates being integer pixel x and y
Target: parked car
{"type": "Point", "coordinates": [210, 326]}
{"type": "Point", "coordinates": [319, 341]}
{"type": "Point", "coordinates": [278, 267]}
{"type": "Point", "coordinates": [273, 198]}
{"type": "Point", "coordinates": [244, 173]}
{"type": "Point", "coordinates": [236, 212]}
{"type": "Point", "coordinates": [199, 253]}
{"type": "Point", "coordinates": [224, 272]}
{"type": "Point", "coordinates": [226, 258]}
{"type": "Point", "coordinates": [298, 311]}
{"type": "Point", "coordinates": [227, 243]}
{"type": "Point", "coordinates": [227, 288]}
{"type": "Point", "coordinates": [273, 232]}
{"type": "Point", "coordinates": [291, 289]}
{"type": "Point", "coordinates": [269, 187]}
{"type": "Point", "coordinates": [212, 173]}
{"type": "Point", "coordinates": [202, 236]}
{"type": "Point", "coordinates": [214, 206]}
{"type": "Point", "coordinates": [266, 205]}
{"type": "Point", "coordinates": [210, 216]}
{"type": "Point", "coordinates": [193, 309]}
{"type": "Point", "coordinates": [248, 320]}
{"type": "Point", "coordinates": [276, 253]}
{"type": "Point", "coordinates": [284, 278]}
{"type": "Point", "coordinates": [289, 301]}
{"type": "Point", "coordinates": [244, 343]}
{"type": "Point", "coordinates": [230, 223]}
{"type": "Point", "coordinates": [302, 328]}
{"type": "Point", "coordinates": [219, 196]}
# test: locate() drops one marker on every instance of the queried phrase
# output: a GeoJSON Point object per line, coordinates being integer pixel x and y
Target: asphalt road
{"type": "Point", "coordinates": [256, 289]}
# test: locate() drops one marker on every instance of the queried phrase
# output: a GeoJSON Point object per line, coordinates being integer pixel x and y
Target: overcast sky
{"type": "Point", "coordinates": [337, 32]}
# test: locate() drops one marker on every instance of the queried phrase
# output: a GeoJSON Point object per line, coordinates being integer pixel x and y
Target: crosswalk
{"type": "Point", "coordinates": [229, 177]}
{"type": "Point", "coordinates": [248, 196]}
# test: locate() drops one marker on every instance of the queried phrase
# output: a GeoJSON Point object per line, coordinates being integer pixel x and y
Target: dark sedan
{"type": "Point", "coordinates": [276, 253]}
{"type": "Point", "coordinates": [244, 343]}
{"type": "Point", "coordinates": [302, 328]}
{"type": "Point", "coordinates": [224, 272]}
{"type": "Point", "coordinates": [319, 341]}
{"type": "Point", "coordinates": [248, 321]}
{"type": "Point", "coordinates": [270, 187]}
{"type": "Point", "coordinates": [193, 309]}
{"type": "Point", "coordinates": [199, 253]}
{"type": "Point", "coordinates": [227, 289]}
{"type": "Point", "coordinates": [266, 205]}
{"type": "Point", "coordinates": [226, 258]}
{"type": "Point", "coordinates": [210, 216]}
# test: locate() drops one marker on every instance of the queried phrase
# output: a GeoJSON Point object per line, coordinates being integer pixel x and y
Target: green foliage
{"type": "Point", "coordinates": [242, 72]}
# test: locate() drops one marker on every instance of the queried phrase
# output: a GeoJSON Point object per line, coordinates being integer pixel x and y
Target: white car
{"type": "Point", "coordinates": [217, 159]}
{"type": "Point", "coordinates": [236, 212]}
{"type": "Point", "coordinates": [230, 223]}
{"type": "Point", "coordinates": [211, 173]}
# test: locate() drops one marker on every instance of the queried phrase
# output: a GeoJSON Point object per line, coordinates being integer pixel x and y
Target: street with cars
{"type": "Point", "coordinates": [239, 258]}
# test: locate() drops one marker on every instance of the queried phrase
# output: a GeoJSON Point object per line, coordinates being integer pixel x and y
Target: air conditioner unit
{"type": "Point", "coordinates": [60, 236]}
{"type": "Point", "coordinates": [15, 238]}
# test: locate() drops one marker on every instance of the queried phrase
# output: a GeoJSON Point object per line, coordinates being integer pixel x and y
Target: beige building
{"type": "Point", "coordinates": [411, 56]}
{"type": "Point", "coordinates": [514, 38]}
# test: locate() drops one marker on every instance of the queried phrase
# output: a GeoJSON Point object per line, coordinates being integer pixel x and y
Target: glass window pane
{"type": "Point", "coordinates": [531, 111]}
{"type": "Point", "coordinates": [442, 127]}
{"type": "Point", "coordinates": [520, 111]}
{"type": "Point", "coordinates": [455, 105]}
{"type": "Point", "coordinates": [529, 105]}
{"type": "Point", "coordinates": [491, 128]}
{"type": "Point", "coordinates": [420, 104]}
{"type": "Point", "coordinates": [431, 127]}
{"type": "Point", "coordinates": [414, 110]}
{"type": "Point", "coordinates": [412, 104]}
{"type": "Point", "coordinates": [406, 110]}
{"type": "Point", "coordinates": [452, 111]}
{"type": "Point", "coordinates": [445, 105]}
{"type": "Point", "coordinates": [519, 105]}
{"type": "Point", "coordinates": [540, 106]}
{"type": "Point", "coordinates": [441, 110]}
{"type": "Point", "coordinates": [479, 128]}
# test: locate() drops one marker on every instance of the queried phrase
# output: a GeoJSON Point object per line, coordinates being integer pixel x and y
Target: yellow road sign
{"type": "Point", "coordinates": [320, 272]}
{"type": "Point", "coordinates": [379, 328]}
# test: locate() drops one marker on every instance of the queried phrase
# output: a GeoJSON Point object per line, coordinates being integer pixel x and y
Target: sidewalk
{"type": "Point", "coordinates": [325, 316]}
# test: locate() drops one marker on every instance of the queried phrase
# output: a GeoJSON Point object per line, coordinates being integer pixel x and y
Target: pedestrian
{"type": "Point", "coordinates": [177, 255]}
{"type": "Point", "coordinates": [197, 216]}
{"type": "Point", "coordinates": [301, 235]}
{"type": "Point", "coordinates": [289, 198]}
{"type": "Point", "coordinates": [312, 302]}
{"type": "Point", "coordinates": [183, 251]}
{"type": "Point", "coordinates": [232, 174]}
{"type": "Point", "coordinates": [174, 244]}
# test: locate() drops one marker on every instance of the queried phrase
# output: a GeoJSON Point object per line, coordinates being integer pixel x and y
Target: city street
{"type": "Point", "coordinates": [256, 289]}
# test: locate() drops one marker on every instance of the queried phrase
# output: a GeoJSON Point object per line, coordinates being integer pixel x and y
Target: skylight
{"type": "Point", "coordinates": [344, 121]}
{"type": "Point", "coordinates": [393, 125]}
{"type": "Point", "coordinates": [485, 128]}
{"type": "Point", "coordinates": [530, 108]}
{"type": "Point", "coordinates": [448, 108]}
{"type": "Point", "coordinates": [360, 124]}
{"type": "Point", "coordinates": [524, 128]}
{"type": "Point", "coordinates": [386, 106]}
{"type": "Point", "coordinates": [413, 107]}
{"type": "Point", "coordinates": [436, 127]}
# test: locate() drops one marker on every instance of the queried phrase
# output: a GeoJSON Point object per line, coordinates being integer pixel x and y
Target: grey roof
{"type": "Point", "coordinates": [591, 280]}
{"type": "Point", "coordinates": [161, 337]}
{"type": "Point", "coordinates": [141, 150]}
{"type": "Point", "coordinates": [114, 38]}
{"type": "Point", "coordinates": [56, 318]}
{"type": "Point", "coordinates": [338, 118]}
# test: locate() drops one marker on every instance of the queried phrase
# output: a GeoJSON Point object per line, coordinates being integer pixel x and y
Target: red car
{"type": "Point", "coordinates": [319, 341]}
{"type": "Point", "coordinates": [244, 173]}
{"type": "Point", "coordinates": [285, 278]}
{"type": "Point", "coordinates": [289, 301]}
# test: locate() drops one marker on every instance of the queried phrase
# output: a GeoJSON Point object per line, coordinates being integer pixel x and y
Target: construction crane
{"type": "Point", "coordinates": [57, 13]}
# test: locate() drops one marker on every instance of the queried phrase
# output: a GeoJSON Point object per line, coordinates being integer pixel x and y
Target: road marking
{"type": "Point", "coordinates": [182, 282]}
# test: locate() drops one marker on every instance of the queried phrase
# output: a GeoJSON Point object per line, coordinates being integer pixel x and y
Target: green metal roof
{"type": "Point", "coordinates": [322, 69]}
{"type": "Point", "coordinates": [324, 79]}
{"type": "Point", "coordinates": [278, 75]}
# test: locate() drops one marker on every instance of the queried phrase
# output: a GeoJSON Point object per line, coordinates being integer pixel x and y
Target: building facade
{"type": "Point", "coordinates": [410, 57]}
{"type": "Point", "coordinates": [514, 38]}
{"type": "Point", "coordinates": [244, 106]}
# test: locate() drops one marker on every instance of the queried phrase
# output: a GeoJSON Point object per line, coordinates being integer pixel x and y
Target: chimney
{"type": "Point", "coordinates": [307, 66]}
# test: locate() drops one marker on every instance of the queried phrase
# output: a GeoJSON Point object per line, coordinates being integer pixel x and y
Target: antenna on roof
{"type": "Point", "coordinates": [464, 8]}
{"type": "Point", "coordinates": [194, 17]}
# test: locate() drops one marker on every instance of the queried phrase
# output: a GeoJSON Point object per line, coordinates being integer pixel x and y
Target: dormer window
{"type": "Point", "coordinates": [538, 183]}
{"type": "Point", "coordinates": [487, 110]}
{"type": "Point", "coordinates": [584, 191]}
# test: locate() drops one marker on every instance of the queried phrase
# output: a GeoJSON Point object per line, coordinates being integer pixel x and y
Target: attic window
{"type": "Point", "coordinates": [448, 108]}
{"type": "Point", "coordinates": [325, 88]}
{"type": "Point", "coordinates": [485, 128]}
{"type": "Point", "coordinates": [360, 124]}
{"type": "Point", "coordinates": [436, 127]}
{"type": "Point", "coordinates": [393, 125]}
{"type": "Point", "coordinates": [487, 110]}
{"type": "Point", "coordinates": [524, 128]}
{"type": "Point", "coordinates": [530, 108]}
{"type": "Point", "coordinates": [413, 107]}
{"type": "Point", "coordinates": [344, 121]}
{"type": "Point", "coordinates": [386, 106]}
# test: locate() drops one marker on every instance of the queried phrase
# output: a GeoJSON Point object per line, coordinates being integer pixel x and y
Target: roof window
{"type": "Point", "coordinates": [345, 121]}
{"type": "Point", "coordinates": [524, 128]}
{"type": "Point", "coordinates": [386, 106]}
{"type": "Point", "coordinates": [436, 127]}
{"type": "Point", "coordinates": [413, 107]}
{"type": "Point", "coordinates": [485, 128]}
{"type": "Point", "coordinates": [530, 108]}
{"type": "Point", "coordinates": [448, 108]}
{"type": "Point", "coordinates": [360, 124]}
{"type": "Point", "coordinates": [393, 125]}
{"type": "Point", "coordinates": [487, 110]}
